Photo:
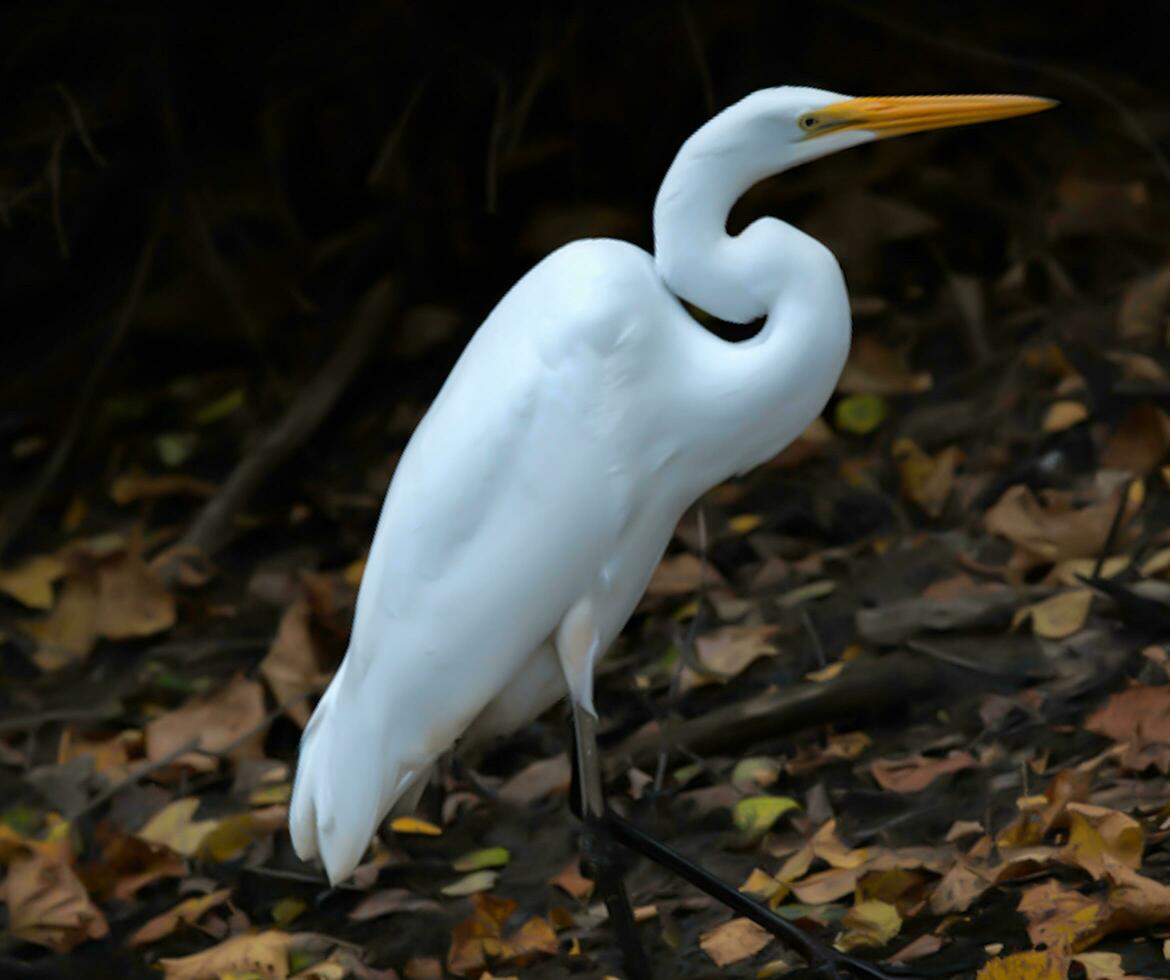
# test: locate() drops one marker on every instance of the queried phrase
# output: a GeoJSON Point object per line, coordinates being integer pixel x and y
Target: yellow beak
{"type": "Point", "coordinates": [898, 115]}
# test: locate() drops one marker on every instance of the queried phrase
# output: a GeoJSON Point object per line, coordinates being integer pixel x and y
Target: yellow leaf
{"type": "Point", "coordinates": [1058, 616]}
{"type": "Point", "coordinates": [860, 414]}
{"type": "Point", "coordinates": [755, 815]}
{"type": "Point", "coordinates": [744, 523]}
{"type": "Point", "coordinates": [173, 827]}
{"type": "Point", "coordinates": [31, 582]}
{"type": "Point", "coordinates": [825, 673]}
{"type": "Point", "coordinates": [1097, 835]}
{"type": "Point", "coordinates": [1064, 415]}
{"type": "Point", "coordinates": [489, 857]}
{"type": "Point", "coordinates": [872, 923]}
{"type": "Point", "coordinates": [761, 885]}
{"type": "Point", "coordinates": [1100, 966]}
{"type": "Point", "coordinates": [1023, 966]}
{"type": "Point", "coordinates": [754, 773]}
{"type": "Point", "coordinates": [414, 825]}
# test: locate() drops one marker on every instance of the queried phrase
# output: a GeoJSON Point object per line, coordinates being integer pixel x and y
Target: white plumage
{"type": "Point", "coordinates": [586, 414]}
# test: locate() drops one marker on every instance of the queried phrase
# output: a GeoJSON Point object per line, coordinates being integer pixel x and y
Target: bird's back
{"type": "Point", "coordinates": [517, 491]}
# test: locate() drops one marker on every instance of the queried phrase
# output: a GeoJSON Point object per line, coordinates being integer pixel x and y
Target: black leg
{"type": "Point", "coordinates": [602, 860]}
{"type": "Point", "coordinates": [823, 959]}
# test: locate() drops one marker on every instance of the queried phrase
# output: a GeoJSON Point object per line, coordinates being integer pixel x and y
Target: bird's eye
{"type": "Point", "coordinates": [808, 122]}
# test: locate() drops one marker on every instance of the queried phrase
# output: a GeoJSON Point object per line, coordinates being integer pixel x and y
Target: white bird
{"type": "Point", "coordinates": [588, 412]}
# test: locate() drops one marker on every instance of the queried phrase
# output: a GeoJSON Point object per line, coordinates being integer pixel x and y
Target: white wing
{"type": "Point", "coordinates": [517, 493]}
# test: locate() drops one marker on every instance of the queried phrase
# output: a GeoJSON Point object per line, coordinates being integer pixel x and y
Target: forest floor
{"type": "Point", "coordinates": [908, 684]}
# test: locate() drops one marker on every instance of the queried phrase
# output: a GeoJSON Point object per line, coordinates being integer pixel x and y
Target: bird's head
{"type": "Point", "coordinates": [806, 123]}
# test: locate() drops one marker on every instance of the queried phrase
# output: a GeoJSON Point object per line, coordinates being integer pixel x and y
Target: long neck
{"type": "Point", "coordinates": [748, 399]}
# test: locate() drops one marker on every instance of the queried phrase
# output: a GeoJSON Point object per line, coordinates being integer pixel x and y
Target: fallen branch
{"type": "Point", "coordinates": [214, 524]}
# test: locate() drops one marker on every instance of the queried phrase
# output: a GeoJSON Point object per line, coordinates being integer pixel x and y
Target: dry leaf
{"type": "Point", "coordinates": [873, 369]}
{"type": "Point", "coordinates": [680, 575]}
{"type": "Point", "coordinates": [291, 664]}
{"type": "Point", "coordinates": [477, 881]}
{"type": "Point", "coordinates": [174, 828]}
{"type": "Point", "coordinates": [1064, 415]}
{"type": "Point", "coordinates": [187, 912]}
{"type": "Point", "coordinates": [265, 953]}
{"type": "Point", "coordinates": [570, 880]}
{"type": "Point", "coordinates": [924, 945]}
{"type": "Point", "coordinates": [218, 721]}
{"type": "Point", "coordinates": [1140, 442]}
{"type": "Point", "coordinates": [1024, 966]}
{"type": "Point", "coordinates": [389, 901]}
{"type": "Point", "coordinates": [1062, 918]}
{"type": "Point", "coordinates": [734, 940]}
{"type": "Point", "coordinates": [926, 480]}
{"type": "Point", "coordinates": [479, 939]}
{"type": "Point", "coordinates": [138, 485]}
{"type": "Point", "coordinates": [1100, 966]}
{"type": "Point", "coordinates": [31, 582]}
{"type": "Point", "coordinates": [48, 905]}
{"type": "Point", "coordinates": [1098, 835]}
{"type": "Point", "coordinates": [1058, 617]}
{"type": "Point", "coordinates": [869, 923]}
{"type": "Point", "coordinates": [913, 774]}
{"type": "Point", "coordinates": [537, 780]}
{"type": "Point", "coordinates": [415, 826]}
{"type": "Point", "coordinates": [727, 652]}
{"type": "Point", "coordinates": [1140, 714]}
{"type": "Point", "coordinates": [1145, 309]}
{"type": "Point", "coordinates": [129, 864]}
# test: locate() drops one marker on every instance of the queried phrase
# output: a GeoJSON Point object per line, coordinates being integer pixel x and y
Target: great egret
{"type": "Point", "coordinates": [586, 414]}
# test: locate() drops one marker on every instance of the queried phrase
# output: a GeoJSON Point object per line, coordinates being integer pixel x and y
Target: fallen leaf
{"type": "Point", "coordinates": [925, 945]}
{"type": "Point", "coordinates": [1140, 714]}
{"type": "Point", "coordinates": [914, 773]}
{"type": "Point", "coordinates": [173, 827]}
{"type": "Point", "coordinates": [230, 719]}
{"type": "Point", "coordinates": [1098, 835]}
{"type": "Point", "coordinates": [733, 941]}
{"type": "Point", "coordinates": [265, 953]}
{"type": "Point", "coordinates": [1144, 316]}
{"type": "Point", "coordinates": [681, 574]}
{"type": "Point", "coordinates": [391, 900]}
{"type": "Point", "coordinates": [873, 369]}
{"type": "Point", "coordinates": [1057, 617]}
{"type": "Point", "coordinates": [31, 582]}
{"type": "Point", "coordinates": [416, 826]}
{"type": "Point", "coordinates": [1062, 918]}
{"type": "Point", "coordinates": [129, 864]}
{"type": "Point", "coordinates": [1140, 441]}
{"type": "Point", "coordinates": [927, 480]}
{"type": "Point", "coordinates": [754, 816]}
{"type": "Point", "coordinates": [869, 923]}
{"type": "Point", "coordinates": [860, 415]}
{"type": "Point", "coordinates": [479, 939]}
{"type": "Point", "coordinates": [1024, 966]}
{"type": "Point", "coordinates": [827, 886]}
{"type": "Point", "coordinates": [138, 485]}
{"type": "Point", "coordinates": [1064, 415]}
{"type": "Point", "coordinates": [48, 905]}
{"type": "Point", "coordinates": [1100, 966]}
{"type": "Point", "coordinates": [536, 781]}
{"type": "Point", "coordinates": [570, 880]}
{"type": "Point", "coordinates": [477, 881]}
{"type": "Point", "coordinates": [755, 773]}
{"type": "Point", "coordinates": [291, 664]}
{"type": "Point", "coordinates": [727, 652]}
{"type": "Point", "coordinates": [488, 857]}
{"type": "Point", "coordinates": [187, 912]}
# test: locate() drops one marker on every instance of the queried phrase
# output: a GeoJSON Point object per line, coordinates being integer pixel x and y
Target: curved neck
{"type": "Point", "coordinates": [754, 396]}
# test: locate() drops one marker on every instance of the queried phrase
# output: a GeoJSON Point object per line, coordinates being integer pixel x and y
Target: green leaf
{"type": "Point", "coordinates": [175, 448]}
{"type": "Point", "coordinates": [221, 408]}
{"type": "Point", "coordinates": [489, 857]}
{"type": "Point", "coordinates": [477, 881]}
{"type": "Point", "coordinates": [286, 910]}
{"type": "Point", "coordinates": [861, 414]}
{"type": "Point", "coordinates": [754, 815]}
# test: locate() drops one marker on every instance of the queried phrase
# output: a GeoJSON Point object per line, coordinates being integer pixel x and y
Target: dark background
{"type": "Point", "coordinates": [290, 154]}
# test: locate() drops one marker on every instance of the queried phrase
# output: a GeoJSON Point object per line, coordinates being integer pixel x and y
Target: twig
{"type": "Point", "coordinates": [31, 722]}
{"type": "Point", "coordinates": [79, 124]}
{"type": "Point", "coordinates": [137, 776]}
{"type": "Point", "coordinates": [26, 506]}
{"type": "Point", "coordinates": [213, 526]}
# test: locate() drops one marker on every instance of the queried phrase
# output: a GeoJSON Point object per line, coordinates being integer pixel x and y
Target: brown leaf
{"type": "Point", "coordinates": [537, 780]}
{"type": "Point", "coordinates": [1135, 901]}
{"type": "Point", "coordinates": [291, 664]}
{"type": "Point", "coordinates": [914, 773]}
{"type": "Point", "coordinates": [570, 880]}
{"type": "Point", "coordinates": [187, 912]}
{"type": "Point", "coordinates": [1058, 617]}
{"type": "Point", "coordinates": [873, 369]}
{"type": "Point", "coordinates": [71, 630]}
{"type": "Point", "coordinates": [1064, 415]}
{"type": "Point", "coordinates": [132, 600]}
{"type": "Point", "coordinates": [680, 575]}
{"type": "Point", "coordinates": [479, 939]}
{"type": "Point", "coordinates": [1062, 918]}
{"type": "Point", "coordinates": [1145, 309]}
{"type": "Point", "coordinates": [217, 721]}
{"type": "Point", "coordinates": [924, 945]}
{"type": "Point", "coordinates": [129, 864]}
{"type": "Point", "coordinates": [48, 905]}
{"type": "Point", "coordinates": [31, 582]}
{"type": "Point", "coordinates": [1053, 529]}
{"type": "Point", "coordinates": [265, 953]}
{"type": "Point", "coordinates": [927, 480]}
{"type": "Point", "coordinates": [1140, 442]}
{"type": "Point", "coordinates": [728, 651]}
{"type": "Point", "coordinates": [1098, 836]}
{"type": "Point", "coordinates": [734, 940]}
{"type": "Point", "coordinates": [827, 886]}
{"type": "Point", "coordinates": [138, 485]}
{"type": "Point", "coordinates": [958, 890]}
{"type": "Point", "coordinates": [1140, 714]}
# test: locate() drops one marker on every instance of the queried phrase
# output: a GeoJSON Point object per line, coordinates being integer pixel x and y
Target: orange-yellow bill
{"type": "Point", "coordinates": [898, 115]}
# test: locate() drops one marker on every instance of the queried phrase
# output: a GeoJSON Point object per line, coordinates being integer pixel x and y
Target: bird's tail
{"type": "Point", "coordinates": [347, 780]}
